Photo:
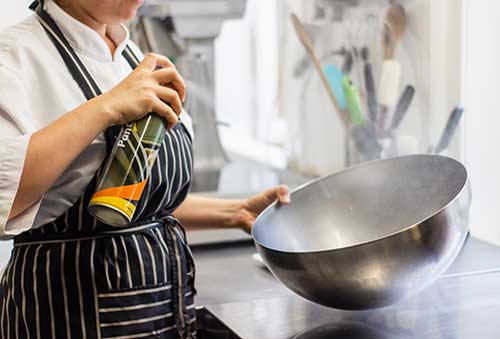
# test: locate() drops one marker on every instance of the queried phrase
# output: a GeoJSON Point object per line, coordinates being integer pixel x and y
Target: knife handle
{"type": "Point", "coordinates": [388, 89]}
{"type": "Point", "coordinates": [402, 106]}
{"type": "Point", "coordinates": [371, 94]}
{"type": "Point", "coordinates": [450, 128]}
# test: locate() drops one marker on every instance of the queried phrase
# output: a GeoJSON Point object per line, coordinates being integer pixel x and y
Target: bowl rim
{"type": "Point", "coordinates": [464, 187]}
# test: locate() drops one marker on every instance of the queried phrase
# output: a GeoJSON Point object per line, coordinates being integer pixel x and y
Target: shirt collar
{"type": "Point", "coordinates": [84, 39]}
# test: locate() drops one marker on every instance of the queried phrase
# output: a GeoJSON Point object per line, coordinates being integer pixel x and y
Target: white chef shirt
{"type": "Point", "coordinates": [35, 89]}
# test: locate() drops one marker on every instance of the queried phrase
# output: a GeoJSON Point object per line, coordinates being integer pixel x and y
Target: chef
{"type": "Point", "coordinates": [68, 74]}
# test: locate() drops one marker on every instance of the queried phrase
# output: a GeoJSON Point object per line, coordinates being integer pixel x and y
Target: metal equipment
{"type": "Point", "coordinates": [185, 30]}
{"type": "Point", "coordinates": [371, 235]}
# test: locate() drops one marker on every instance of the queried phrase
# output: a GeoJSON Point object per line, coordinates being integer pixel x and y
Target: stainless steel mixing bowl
{"type": "Point", "coordinates": [371, 235]}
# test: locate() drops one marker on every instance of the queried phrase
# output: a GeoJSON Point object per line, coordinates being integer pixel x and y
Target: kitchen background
{"type": "Point", "coordinates": [265, 112]}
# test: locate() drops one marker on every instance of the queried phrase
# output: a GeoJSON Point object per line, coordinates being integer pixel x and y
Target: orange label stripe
{"type": "Point", "coordinates": [129, 192]}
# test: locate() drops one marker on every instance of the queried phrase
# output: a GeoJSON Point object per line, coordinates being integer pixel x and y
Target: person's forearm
{"type": "Point", "coordinates": [52, 149]}
{"type": "Point", "coordinates": [209, 213]}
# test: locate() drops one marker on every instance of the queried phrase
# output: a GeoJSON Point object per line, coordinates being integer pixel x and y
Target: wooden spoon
{"type": "Point", "coordinates": [306, 40]}
{"type": "Point", "coordinates": [395, 27]}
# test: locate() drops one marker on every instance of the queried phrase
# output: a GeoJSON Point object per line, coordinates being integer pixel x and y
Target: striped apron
{"type": "Point", "coordinates": [79, 278]}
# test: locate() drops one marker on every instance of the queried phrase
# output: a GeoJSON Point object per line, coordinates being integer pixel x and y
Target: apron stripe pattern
{"type": "Point", "coordinates": [51, 288]}
{"type": "Point", "coordinates": [79, 278]}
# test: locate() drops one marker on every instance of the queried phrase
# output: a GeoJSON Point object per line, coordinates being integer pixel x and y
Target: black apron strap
{"type": "Point", "coordinates": [72, 61]}
{"type": "Point", "coordinates": [75, 66]}
{"type": "Point", "coordinates": [130, 56]}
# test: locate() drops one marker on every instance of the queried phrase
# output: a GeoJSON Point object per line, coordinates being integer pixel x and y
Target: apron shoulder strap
{"type": "Point", "coordinates": [72, 61]}
{"type": "Point", "coordinates": [75, 66]}
{"type": "Point", "coordinates": [130, 56]}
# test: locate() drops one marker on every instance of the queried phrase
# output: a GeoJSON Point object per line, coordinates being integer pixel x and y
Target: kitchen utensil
{"type": "Point", "coordinates": [302, 68]}
{"type": "Point", "coordinates": [402, 106]}
{"type": "Point", "coordinates": [450, 129]}
{"type": "Point", "coordinates": [371, 93]}
{"type": "Point", "coordinates": [304, 63]}
{"type": "Point", "coordinates": [348, 63]}
{"type": "Point", "coordinates": [353, 102]}
{"type": "Point", "coordinates": [394, 29]}
{"type": "Point", "coordinates": [388, 90]}
{"type": "Point", "coordinates": [365, 140]}
{"type": "Point", "coordinates": [363, 135]}
{"type": "Point", "coordinates": [335, 79]}
{"type": "Point", "coordinates": [309, 46]}
{"type": "Point", "coordinates": [371, 235]}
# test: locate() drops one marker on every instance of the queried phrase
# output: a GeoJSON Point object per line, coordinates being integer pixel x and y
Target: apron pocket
{"type": "Point", "coordinates": [145, 312]}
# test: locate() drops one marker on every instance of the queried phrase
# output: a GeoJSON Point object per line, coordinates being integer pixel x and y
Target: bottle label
{"type": "Point", "coordinates": [125, 135]}
{"type": "Point", "coordinates": [127, 170]}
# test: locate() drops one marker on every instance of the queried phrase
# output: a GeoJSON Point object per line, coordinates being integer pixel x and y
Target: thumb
{"type": "Point", "coordinates": [280, 193]}
{"type": "Point", "coordinates": [259, 202]}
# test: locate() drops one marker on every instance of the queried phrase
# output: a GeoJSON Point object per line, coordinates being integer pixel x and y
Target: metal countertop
{"type": "Point", "coordinates": [248, 299]}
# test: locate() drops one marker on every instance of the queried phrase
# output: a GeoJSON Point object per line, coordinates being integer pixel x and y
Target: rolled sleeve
{"type": "Point", "coordinates": [16, 128]}
{"type": "Point", "coordinates": [12, 155]}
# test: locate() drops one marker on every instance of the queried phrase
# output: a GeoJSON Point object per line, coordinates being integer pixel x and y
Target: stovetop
{"type": "Point", "coordinates": [463, 304]}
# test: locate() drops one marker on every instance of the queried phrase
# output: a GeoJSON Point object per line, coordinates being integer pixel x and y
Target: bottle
{"type": "Point", "coordinates": [127, 170]}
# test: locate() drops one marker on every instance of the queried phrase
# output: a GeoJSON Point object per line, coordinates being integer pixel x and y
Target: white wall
{"type": "Point", "coordinates": [482, 118]}
{"type": "Point", "coordinates": [12, 12]}
{"type": "Point", "coordinates": [246, 79]}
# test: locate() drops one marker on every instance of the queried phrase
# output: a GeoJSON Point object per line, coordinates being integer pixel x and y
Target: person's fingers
{"type": "Point", "coordinates": [162, 61]}
{"type": "Point", "coordinates": [280, 193]}
{"type": "Point", "coordinates": [171, 77]}
{"type": "Point", "coordinates": [164, 72]}
{"type": "Point", "coordinates": [283, 194]}
{"type": "Point", "coordinates": [149, 62]}
{"type": "Point", "coordinates": [170, 97]}
{"type": "Point", "coordinates": [166, 112]}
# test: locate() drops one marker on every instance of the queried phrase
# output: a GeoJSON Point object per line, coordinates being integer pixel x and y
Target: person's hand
{"type": "Point", "coordinates": [147, 89]}
{"type": "Point", "coordinates": [253, 206]}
